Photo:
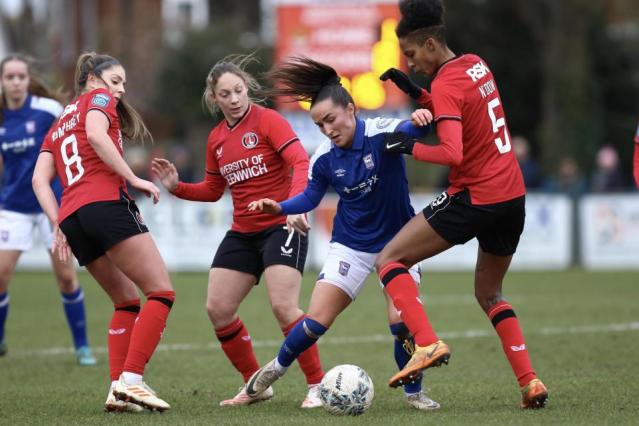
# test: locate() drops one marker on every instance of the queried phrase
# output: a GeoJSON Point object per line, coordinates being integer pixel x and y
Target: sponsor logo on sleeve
{"type": "Point", "coordinates": [100, 100]}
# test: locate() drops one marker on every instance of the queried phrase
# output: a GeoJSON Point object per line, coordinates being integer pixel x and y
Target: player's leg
{"type": "Point", "coordinates": [73, 304]}
{"type": "Point", "coordinates": [403, 349]}
{"type": "Point", "coordinates": [497, 243]}
{"type": "Point", "coordinates": [121, 232]}
{"type": "Point", "coordinates": [16, 234]}
{"type": "Point", "coordinates": [8, 261]}
{"type": "Point", "coordinates": [126, 301]}
{"type": "Point", "coordinates": [284, 256]}
{"type": "Point", "coordinates": [339, 282]}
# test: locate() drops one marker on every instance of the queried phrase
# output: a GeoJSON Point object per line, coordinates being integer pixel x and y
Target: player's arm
{"type": "Point", "coordinates": [43, 173]}
{"type": "Point", "coordinates": [296, 158]}
{"type": "Point", "coordinates": [210, 189]}
{"type": "Point", "coordinates": [97, 127]}
{"type": "Point", "coordinates": [408, 86]}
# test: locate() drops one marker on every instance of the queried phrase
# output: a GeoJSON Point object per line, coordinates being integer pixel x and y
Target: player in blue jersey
{"type": "Point", "coordinates": [373, 205]}
{"type": "Point", "coordinates": [28, 108]}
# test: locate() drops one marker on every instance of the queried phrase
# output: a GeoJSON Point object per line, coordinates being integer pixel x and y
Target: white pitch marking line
{"type": "Point", "coordinates": [374, 338]}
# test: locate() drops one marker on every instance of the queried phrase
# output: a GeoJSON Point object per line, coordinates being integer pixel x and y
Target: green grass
{"type": "Point", "coordinates": [591, 372]}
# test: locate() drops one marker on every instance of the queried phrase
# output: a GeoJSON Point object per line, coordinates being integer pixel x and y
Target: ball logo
{"type": "Point", "coordinates": [250, 140]}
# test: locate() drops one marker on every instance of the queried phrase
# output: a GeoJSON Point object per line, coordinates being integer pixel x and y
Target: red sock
{"type": "Point", "coordinates": [148, 330]}
{"type": "Point", "coordinates": [236, 344]}
{"type": "Point", "coordinates": [401, 287]}
{"type": "Point", "coordinates": [120, 330]}
{"type": "Point", "coordinates": [512, 340]}
{"type": "Point", "coordinates": [309, 360]}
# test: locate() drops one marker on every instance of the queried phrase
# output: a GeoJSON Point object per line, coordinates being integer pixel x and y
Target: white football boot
{"type": "Point", "coordinates": [113, 405]}
{"type": "Point", "coordinates": [312, 399]}
{"type": "Point", "coordinates": [140, 394]}
{"type": "Point", "coordinates": [263, 378]}
{"type": "Point", "coordinates": [421, 401]}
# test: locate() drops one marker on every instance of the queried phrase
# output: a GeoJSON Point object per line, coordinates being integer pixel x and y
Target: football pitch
{"type": "Point", "coordinates": [582, 331]}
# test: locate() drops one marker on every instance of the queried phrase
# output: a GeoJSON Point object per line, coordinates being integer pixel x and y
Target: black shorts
{"type": "Point", "coordinates": [496, 226]}
{"type": "Point", "coordinates": [253, 252]}
{"type": "Point", "coordinates": [95, 228]}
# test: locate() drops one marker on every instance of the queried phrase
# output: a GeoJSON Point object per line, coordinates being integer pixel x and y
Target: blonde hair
{"type": "Point", "coordinates": [234, 64]}
{"type": "Point", "coordinates": [131, 123]}
{"type": "Point", "coordinates": [37, 86]}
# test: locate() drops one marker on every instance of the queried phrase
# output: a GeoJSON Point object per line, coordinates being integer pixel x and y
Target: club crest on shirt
{"type": "Point", "coordinates": [249, 140]}
{"type": "Point", "coordinates": [100, 99]}
{"type": "Point", "coordinates": [30, 126]}
{"type": "Point", "coordinates": [368, 161]}
{"type": "Point", "coordinates": [2, 131]}
{"type": "Point", "coordinates": [218, 152]}
{"type": "Point", "coordinates": [344, 267]}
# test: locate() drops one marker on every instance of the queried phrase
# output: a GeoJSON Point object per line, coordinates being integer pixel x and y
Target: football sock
{"type": "Point", "coordinates": [236, 344]}
{"type": "Point", "coordinates": [148, 330]}
{"type": "Point", "coordinates": [404, 345]}
{"type": "Point", "coordinates": [4, 311]}
{"type": "Point", "coordinates": [512, 340]}
{"type": "Point", "coordinates": [74, 310]}
{"type": "Point", "coordinates": [300, 338]}
{"type": "Point", "coordinates": [401, 287]}
{"type": "Point", "coordinates": [308, 360]}
{"type": "Point", "coordinates": [120, 329]}
{"type": "Point", "coordinates": [132, 378]}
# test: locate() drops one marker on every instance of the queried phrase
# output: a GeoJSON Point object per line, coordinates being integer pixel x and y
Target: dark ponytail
{"type": "Point", "coordinates": [303, 79]}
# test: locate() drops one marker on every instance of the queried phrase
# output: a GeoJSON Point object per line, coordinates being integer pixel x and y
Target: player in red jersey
{"type": "Point", "coordinates": [252, 151]}
{"type": "Point", "coordinates": [486, 198]}
{"type": "Point", "coordinates": [635, 162]}
{"type": "Point", "coordinates": [100, 223]}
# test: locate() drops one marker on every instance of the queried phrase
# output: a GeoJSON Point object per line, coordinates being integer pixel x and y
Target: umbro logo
{"type": "Point", "coordinates": [116, 331]}
{"type": "Point", "coordinates": [519, 348]}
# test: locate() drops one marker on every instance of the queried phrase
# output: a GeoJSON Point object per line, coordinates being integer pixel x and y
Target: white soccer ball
{"type": "Point", "coordinates": [346, 390]}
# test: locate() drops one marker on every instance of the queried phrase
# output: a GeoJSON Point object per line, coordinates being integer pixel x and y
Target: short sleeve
{"type": "Point", "coordinates": [47, 143]}
{"type": "Point", "coordinates": [278, 131]}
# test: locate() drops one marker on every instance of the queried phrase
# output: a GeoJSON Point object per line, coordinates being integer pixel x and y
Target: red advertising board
{"type": "Point", "coordinates": [357, 39]}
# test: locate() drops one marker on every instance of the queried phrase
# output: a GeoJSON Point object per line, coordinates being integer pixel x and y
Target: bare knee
{"type": "Point", "coordinates": [285, 312]}
{"type": "Point", "coordinates": [67, 282]}
{"type": "Point", "coordinates": [219, 312]}
{"type": "Point", "coordinates": [487, 299]}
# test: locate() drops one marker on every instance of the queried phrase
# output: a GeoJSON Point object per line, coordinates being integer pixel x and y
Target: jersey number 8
{"type": "Point", "coordinates": [502, 146]}
{"type": "Point", "coordinates": [71, 160]}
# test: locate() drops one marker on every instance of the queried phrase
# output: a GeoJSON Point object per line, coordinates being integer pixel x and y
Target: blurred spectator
{"type": "Point", "coordinates": [569, 179]}
{"type": "Point", "coordinates": [607, 176]}
{"type": "Point", "coordinates": [183, 160]}
{"type": "Point", "coordinates": [529, 166]}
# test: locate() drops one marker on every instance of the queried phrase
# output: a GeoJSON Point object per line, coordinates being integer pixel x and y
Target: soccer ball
{"type": "Point", "coordinates": [346, 390]}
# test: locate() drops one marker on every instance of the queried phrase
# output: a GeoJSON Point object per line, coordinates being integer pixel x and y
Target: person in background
{"type": "Point", "coordinates": [635, 162]}
{"type": "Point", "coordinates": [607, 176]}
{"type": "Point", "coordinates": [529, 166]}
{"type": "Point", "coordinates": [28, 108]}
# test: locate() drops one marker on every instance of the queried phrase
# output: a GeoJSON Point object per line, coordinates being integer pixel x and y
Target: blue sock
{"type": "Point", "coordinates": [301, 337]}
{"type": "Point", "coordinates": [401, 334]}
{"type": "Point", "coordinates": [74, 309]}
{"type": "Point", "coordinates": [4, 311]}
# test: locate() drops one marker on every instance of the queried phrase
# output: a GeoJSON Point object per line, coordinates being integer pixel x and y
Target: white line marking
{"type": "Point", "coordinates": [374, 338]}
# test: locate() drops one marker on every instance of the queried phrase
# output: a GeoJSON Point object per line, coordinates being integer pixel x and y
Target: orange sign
{"type": "Point", "coordinates": [358, 40]}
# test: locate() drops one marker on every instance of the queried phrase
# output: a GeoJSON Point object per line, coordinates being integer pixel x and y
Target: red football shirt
{"type": "Point", "coordinates": [464, 89]}
{"type": "Point", "coordinates": [84, 176]}
{"type": "Point", "coordinates": [254, 158]}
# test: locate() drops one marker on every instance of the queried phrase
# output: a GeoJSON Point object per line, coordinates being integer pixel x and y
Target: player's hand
{"type": "Point", "coordinates": [148, 188]}
{"type": "Point", "coordinates": [166, 172]}
{"type": "Point", "coordinates": [265, 205]}
{"type": "Point", "coordinates": [402, 81]}
{"type": "Point", "coordinates": [399, 142]}
{"type": "Point", "coordinates": [421, 117]}
{"type": "Point", "coordinates": [60, 245]}
{"type": "Point", "coordinates": [297, 222]}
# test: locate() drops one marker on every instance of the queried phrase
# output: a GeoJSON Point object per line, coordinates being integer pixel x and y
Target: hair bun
{"type": "Point", "coordinates": [421, 13]}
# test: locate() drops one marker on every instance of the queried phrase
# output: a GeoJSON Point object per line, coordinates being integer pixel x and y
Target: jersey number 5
{"type": "Point", "coordinates": [73, 160]}
{"type": "Point", "coordinates": [502, 146]}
